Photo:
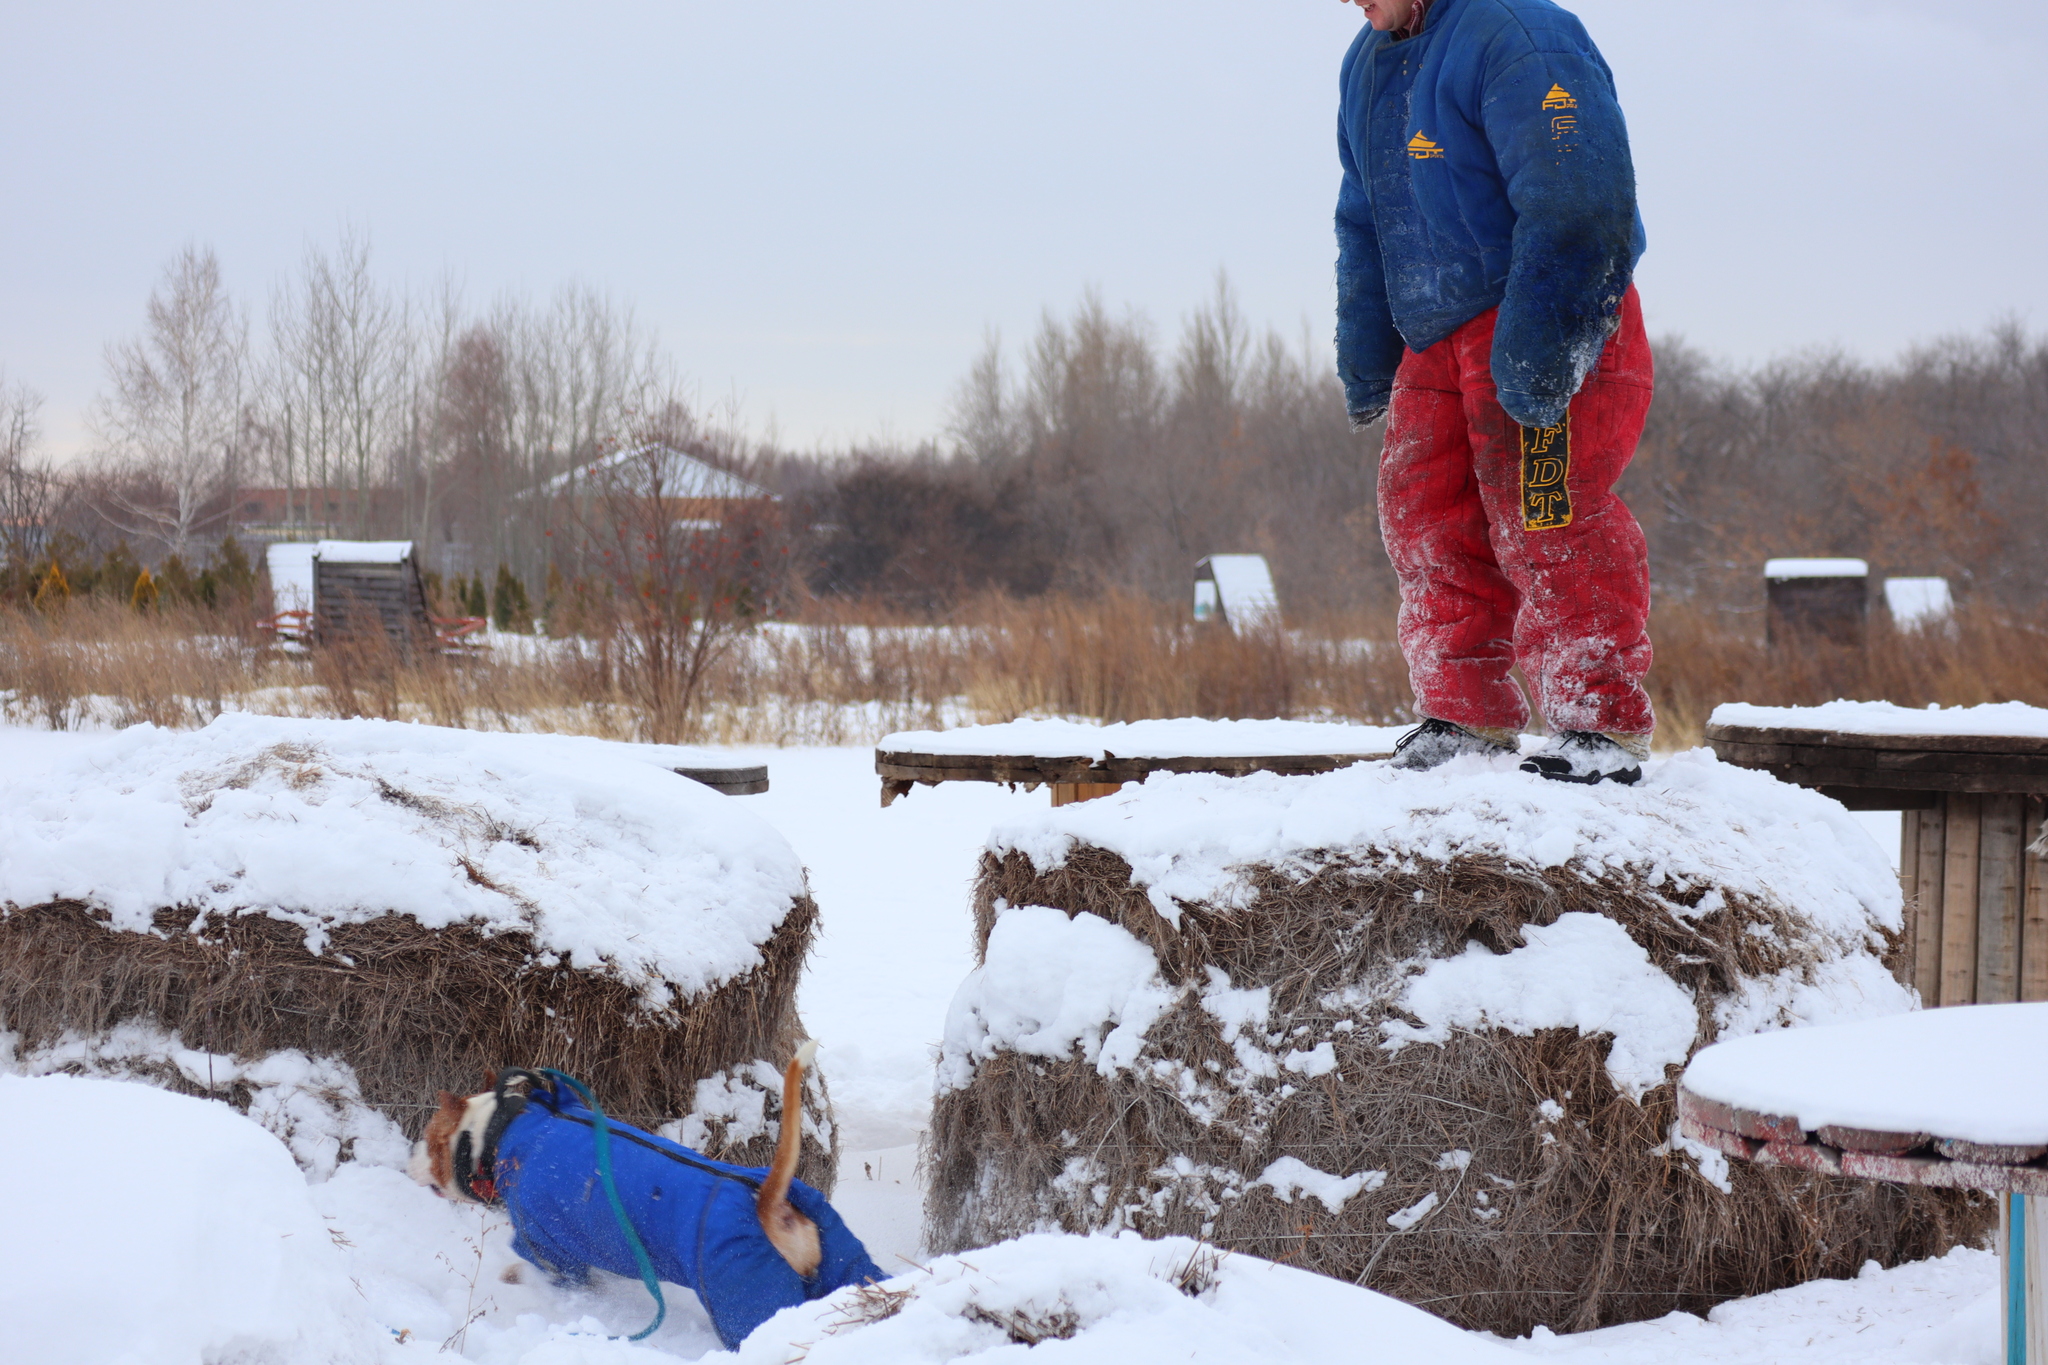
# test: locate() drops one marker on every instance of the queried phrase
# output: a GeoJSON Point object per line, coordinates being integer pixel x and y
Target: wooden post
{"type": "Point", "coordinates": [2023, 1278]}
{"type": "Point", "coordinates": [2034, 912]}
{"type": "Point", "coordinates": [1927, 873]}
{"type": "Point", "coordinates": [1998, 899]}
{"type": "Point", "coordinates": [1909, 887]}
{"type": "Point", "coordinates": [1959, 899]}
{"type": "Point", "coordinates": [1066, 793]}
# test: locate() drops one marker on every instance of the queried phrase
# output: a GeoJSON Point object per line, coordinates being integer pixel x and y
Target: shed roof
{"type": "Point", "coordinates": [680, 475]}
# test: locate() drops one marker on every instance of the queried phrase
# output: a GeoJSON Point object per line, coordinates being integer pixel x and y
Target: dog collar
{"type": "Point", "coordinates": [477, 1171]}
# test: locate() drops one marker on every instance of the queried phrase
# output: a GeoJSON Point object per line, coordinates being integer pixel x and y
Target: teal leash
{"type": "Point", "coordinates": [602, 1131]}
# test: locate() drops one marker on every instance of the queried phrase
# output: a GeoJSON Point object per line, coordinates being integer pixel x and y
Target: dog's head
{"type": "Point", "coordinates": [446, 1159]}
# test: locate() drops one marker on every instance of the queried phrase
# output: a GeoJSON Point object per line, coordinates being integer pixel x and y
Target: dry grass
{"type": "Point", "coordinates": [412, 1010]}
{"type": "Point", "coordinates": [1574, 1218]}
{"type": "Point", "coordinates": [843, 678]}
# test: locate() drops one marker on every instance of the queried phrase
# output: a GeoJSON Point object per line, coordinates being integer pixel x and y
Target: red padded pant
{"type": "Point", "coordinates": [1510, 545]}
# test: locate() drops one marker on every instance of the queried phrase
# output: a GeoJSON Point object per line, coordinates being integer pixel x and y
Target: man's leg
{"type": "Point", "coordinates": [1571, 547]}
{"type": "Point", "coordinates": [1457, 610]}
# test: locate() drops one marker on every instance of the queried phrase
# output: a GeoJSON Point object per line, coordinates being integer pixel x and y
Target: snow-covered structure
{"type": "Point", "coordinates": [418, 904]}
{"type": "Point", "coordinates": [1809, 599]}
{"type": "Point", "coordinates": [1237, 590]}
{"type": "Point", "coordinates": [1918, 603]}
{"type": "Point", "coordinates": [1419, 1031]}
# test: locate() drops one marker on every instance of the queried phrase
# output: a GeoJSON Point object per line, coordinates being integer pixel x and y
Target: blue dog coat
{"type": "Point", "coordinates": [694, 1215]}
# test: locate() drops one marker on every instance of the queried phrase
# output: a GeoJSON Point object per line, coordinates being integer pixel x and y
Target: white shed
{"type": "Point", "coordinates": [1237, 589]}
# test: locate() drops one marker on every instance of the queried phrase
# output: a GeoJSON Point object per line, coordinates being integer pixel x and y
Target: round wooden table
{"type": "Point", "coordinates": [1082, 762]}
{"type": "Point", "coordinates": [1952, 1098]}
{"type": "Point", "coordinates": [1970, 784]}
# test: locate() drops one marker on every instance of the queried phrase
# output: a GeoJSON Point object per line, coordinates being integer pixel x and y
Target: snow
{"type": "Point", "coordinates": [1816, 568]}
{"type": "Point", "coordinates": [1290, 1176]}
{"type": "Point", "coordinates": [1996, 719]}
{"type": "Point", "coordinates": [364, 551]}
{"type": "Point", "coordinates": [895, 941]}
{"type": "Point", "coordinates": [1971, 1072]}
{"type": "Point", "coordinates": [1692, 822]}
{"type": "Point", "coordinates": [1916, 602]}
{"type": "Point", "coordinates": [1119, 1300]}
{"type": "Point", "coordinates": [147, 1226]}
{"type": "Point", "coordinates": [610, 862]}
{"type": "Point", "coordinates": [291, 576]}
{"type": "Point", "coordinates": [1051, 982]}
{"type": "Point", "coordinates": [1545, 984]}
{"type": "Point", "coordinates": [1150, 739]}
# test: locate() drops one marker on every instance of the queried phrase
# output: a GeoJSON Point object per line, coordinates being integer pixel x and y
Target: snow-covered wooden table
{"type": "Point", "coordinates": [1970, 782]}
{"type": "Point", "coordinates": [1953, 1098]}
{"type": "Point", "coordinates": [1080, 762]}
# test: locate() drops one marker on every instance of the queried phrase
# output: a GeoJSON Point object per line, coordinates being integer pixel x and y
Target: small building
{"type": "Point", "coordinates": [1236, 590]}
{"type": "Point", "coordinates": [694, 491]}
{"type": "Point", "coordinates": [1811, 600]}
{"type": "Point", "coordinates": [338, 589]}
{"type": "Point", "coordinates": [1919, 603]}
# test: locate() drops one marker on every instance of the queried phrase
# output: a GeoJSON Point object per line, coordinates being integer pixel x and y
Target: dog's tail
{"type": "Point", "coordinates": [792, 1234]}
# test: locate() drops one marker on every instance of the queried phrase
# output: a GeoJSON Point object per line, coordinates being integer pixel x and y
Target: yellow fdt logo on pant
{"type": "Point", "coordinates": [1546, 465]}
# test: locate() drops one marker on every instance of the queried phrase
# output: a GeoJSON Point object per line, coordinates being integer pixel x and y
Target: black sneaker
{"type": "Point", "coordinates": [1585, 756]}
{"type": "Point", "coordinates": [1436, 742]}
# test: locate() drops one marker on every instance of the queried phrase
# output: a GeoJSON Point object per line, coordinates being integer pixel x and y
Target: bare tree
{"type": "Point", "coordinates": [343, 358]}
{"type": "Point", "coordinates": [27, 487]}
{"type": "Point", "coordinates": [174, 409]}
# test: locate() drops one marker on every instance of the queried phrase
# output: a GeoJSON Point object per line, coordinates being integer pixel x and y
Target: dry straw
{"type": "Point", "coordinates": [1570, 1219]}
{"type": "Point", "coordinates": [413, 1010]}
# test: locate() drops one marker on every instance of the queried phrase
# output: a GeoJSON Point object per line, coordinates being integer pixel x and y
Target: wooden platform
{"type": "Point", "coordinates": [1082, 778]}
{"type": "Point", "coordinates": [1976, 892]}
{"type": "Point", "coordinates": [731, 781]}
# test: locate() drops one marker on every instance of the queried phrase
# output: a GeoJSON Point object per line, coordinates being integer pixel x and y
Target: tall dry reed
{"type": "Point", "coordinates": [847, 680]}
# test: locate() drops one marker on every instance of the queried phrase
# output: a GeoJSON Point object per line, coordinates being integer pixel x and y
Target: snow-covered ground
{"type": "Point", "coordinates": [136, 1192]}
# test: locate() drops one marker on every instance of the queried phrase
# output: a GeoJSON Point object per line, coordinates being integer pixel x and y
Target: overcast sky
{"type": "Point", "coordinates": [821, 208]}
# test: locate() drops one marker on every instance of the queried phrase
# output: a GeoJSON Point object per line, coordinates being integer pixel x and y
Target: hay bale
{"type": "Point", "coordinates": [1420, 1032]}
{"type": "Point", "coordinates": [418, 904]}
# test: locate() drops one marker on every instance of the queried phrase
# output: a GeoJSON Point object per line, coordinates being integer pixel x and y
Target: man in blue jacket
{"type": "Point", "coordinates": [1487, 235]}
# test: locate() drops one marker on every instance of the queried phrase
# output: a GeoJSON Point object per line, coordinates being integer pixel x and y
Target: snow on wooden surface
{"type": "Point", "coordinates": [1179, 738]}
{"type": "Point", "coordinates": [1885, 718]}
{"type": "Point", "coordinates": [1978, 1073]}
{"type": "Point", "coordinates": [598, 851]}
{"type": "Point", "coordinates": [1816, 568]}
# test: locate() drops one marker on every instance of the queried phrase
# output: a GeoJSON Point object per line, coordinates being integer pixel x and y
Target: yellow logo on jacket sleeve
{"type": "Point", "coordinates": [1559, 98]}
{"type": "Point", "coordinates": [1422, 149]}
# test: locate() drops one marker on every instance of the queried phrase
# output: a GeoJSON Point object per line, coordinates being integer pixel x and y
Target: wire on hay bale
{"type": "Point", "coordinates": [412, 1007]}
{"type": "Point", "coordinates": [1501, 1179]}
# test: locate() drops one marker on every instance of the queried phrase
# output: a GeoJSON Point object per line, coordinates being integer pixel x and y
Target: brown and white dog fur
{"type": "Point", "coordinates": [791, 1234]}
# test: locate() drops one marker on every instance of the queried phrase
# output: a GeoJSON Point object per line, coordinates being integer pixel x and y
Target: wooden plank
{"type": "Point", "coordinates": [1998, 899]}
{"type": "Point", "coordinates": [1957, 744]}
{"type": "Point", "coordinates": [1067, 793]}
{"type": "Point", "coordinates": [1927, 902]}
{"type": "Point", "coordinates": [1959, 900]}
{"type": "Point", "coordinates": [1882, 798]}
{"type": "Point", "coordinates": [2034, 908]}
{"type": "Point", "coordinates": [1909, 889]}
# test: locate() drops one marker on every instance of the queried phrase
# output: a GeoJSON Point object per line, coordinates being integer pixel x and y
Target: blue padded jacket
{"type": "Point", "coordinates": [695, 1216]}
{"type": "Point", "coordinates": [1485, 163]}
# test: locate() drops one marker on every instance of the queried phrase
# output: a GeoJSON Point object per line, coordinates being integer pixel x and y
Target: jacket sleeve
{"type": "Point", "coordinates": [1368, 347]}
{"type": "Point", "coordinates": [1558, 136]}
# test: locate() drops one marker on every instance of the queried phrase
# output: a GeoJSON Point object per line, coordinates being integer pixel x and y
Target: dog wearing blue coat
{"type": "Point", "coordinates": [749, 1240]}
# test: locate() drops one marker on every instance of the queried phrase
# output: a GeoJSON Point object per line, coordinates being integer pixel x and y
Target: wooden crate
{"type": "Point", "coordinates": [1971, 810]}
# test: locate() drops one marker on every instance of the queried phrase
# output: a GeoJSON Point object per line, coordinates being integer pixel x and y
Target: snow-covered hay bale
{"type": "Point", "coordinates": [418, 904]}
{"type": "Point", "coordinates": [1419, 1032]}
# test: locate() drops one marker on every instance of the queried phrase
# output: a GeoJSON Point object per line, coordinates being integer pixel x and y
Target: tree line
{"type": "Point", "coordinates": [1094, 456]}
